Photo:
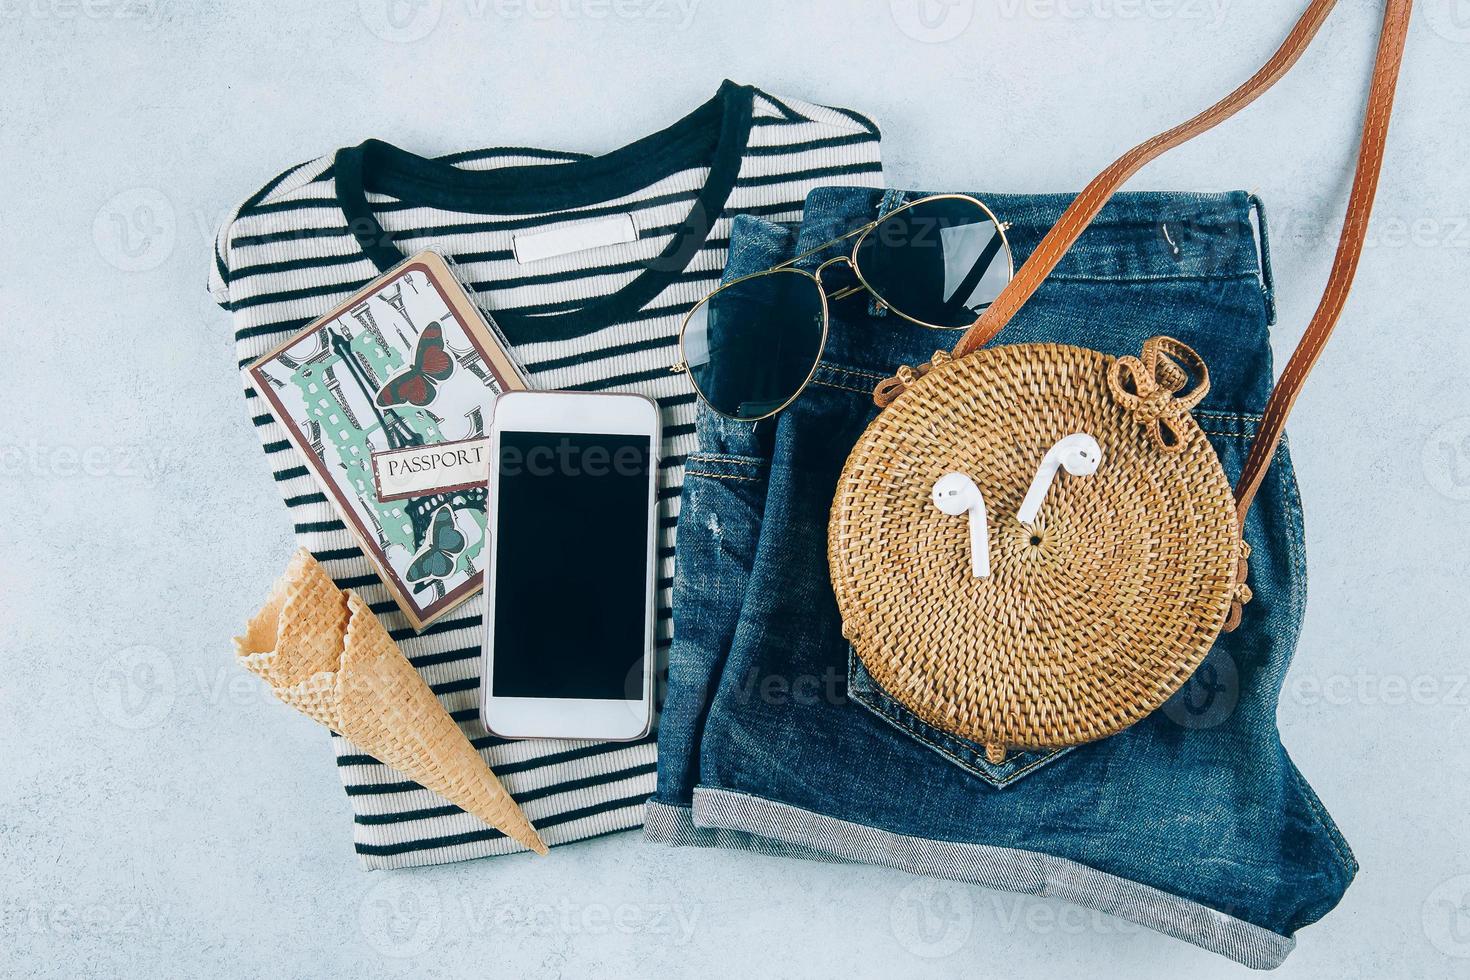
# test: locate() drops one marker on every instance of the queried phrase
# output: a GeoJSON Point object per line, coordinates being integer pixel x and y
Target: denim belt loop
{"type": "Point", "coordinates": [892, 201]}
{"type": "Point", "coordinates": [1268, 283]}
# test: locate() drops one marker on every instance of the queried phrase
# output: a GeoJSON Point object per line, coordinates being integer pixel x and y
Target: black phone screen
{"type": "Point", "coordinates": [571, 565]}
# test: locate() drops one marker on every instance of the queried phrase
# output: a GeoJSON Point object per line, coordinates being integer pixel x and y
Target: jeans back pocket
{"type": "Point", "coordinates": [863, 689]}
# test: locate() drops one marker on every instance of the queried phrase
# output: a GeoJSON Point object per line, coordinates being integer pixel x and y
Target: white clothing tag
{"type": "Point", "coordinates": [615, 229]}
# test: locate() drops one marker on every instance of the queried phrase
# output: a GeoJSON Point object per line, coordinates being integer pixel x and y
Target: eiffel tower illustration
{"type": "Point", "coordinates": [288, 361]}
{"type": "Point", "coordinates": [370, 512]}
{"type": "Point", "coordinates": [395, 300]}
{"type": "Point", "coordinates": [334, 385]}
{"type": "Point", "coordinates": [477, 422]}
{"type": "Point", "coordinates": [398, 433]}
{"type": "Point", "coordinates": [363, 314]}
{"type": "Point", "coordinates": [372, 517]}
{"type": "Point", "coordinates": [471, 361]}
{"type": "Point", "coordinates": [314, 431]}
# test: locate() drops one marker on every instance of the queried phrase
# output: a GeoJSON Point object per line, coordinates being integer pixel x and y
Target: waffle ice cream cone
{"type": "Point", "coordinates": [324, 653]}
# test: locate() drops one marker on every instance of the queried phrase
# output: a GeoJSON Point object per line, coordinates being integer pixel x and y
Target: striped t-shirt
{"type": "Point", "coordinates": [602, 319]}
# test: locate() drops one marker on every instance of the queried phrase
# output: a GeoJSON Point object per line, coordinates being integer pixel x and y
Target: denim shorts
{"type": "Point", "coordinates": [1193, 822]}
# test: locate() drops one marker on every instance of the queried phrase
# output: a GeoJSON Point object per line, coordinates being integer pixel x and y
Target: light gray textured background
{"type": "Point", "coordinates": [159, 816]}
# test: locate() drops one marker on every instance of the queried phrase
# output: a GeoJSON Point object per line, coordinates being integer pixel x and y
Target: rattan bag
{"type": "Point", "coordinates": [1079, 620]}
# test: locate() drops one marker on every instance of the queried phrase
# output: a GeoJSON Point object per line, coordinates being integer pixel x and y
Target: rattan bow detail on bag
{"type": "Point", "coordinates": [1150, 387]}
{"type": "Point", "coordinates": [1100, 608]}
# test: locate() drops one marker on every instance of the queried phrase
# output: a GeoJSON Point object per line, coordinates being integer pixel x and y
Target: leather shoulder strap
{"type": "Point", "coordinates": [1344, 263]}
{"type": "Point", "coordinates": [1365, 183]}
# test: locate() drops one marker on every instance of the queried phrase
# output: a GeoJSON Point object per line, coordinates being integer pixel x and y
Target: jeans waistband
{"type": "Point", "coordinates": [1183, 264]}
{"type": "Point", "coordinates": [1139, 235]}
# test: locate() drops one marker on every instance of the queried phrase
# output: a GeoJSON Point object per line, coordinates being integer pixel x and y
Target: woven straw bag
{"type": "Point", "coordinates": [1100, 608]}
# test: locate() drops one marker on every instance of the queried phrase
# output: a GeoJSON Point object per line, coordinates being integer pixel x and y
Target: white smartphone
{"type": "Point", "coordinates": [569, 584]}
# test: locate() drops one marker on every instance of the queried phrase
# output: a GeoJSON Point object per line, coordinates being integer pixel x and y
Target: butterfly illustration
{"type": "Point", "coordinates": [445, 542]}
{"type": "Point", "coordinates": [418, 384]}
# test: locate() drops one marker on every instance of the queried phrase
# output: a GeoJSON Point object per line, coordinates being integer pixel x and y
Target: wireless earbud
{"type": "Point", "coordinates": [1078, 454]}
{"type": "Point", "coordinates": [956, 494]}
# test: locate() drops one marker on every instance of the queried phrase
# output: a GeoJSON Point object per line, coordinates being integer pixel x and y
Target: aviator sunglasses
{"type": "Point", "coordinates": [752, 346]}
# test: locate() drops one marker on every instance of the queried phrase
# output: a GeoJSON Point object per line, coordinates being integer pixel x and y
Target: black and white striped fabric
{"type": "Point", "coordinates": [601, 319]}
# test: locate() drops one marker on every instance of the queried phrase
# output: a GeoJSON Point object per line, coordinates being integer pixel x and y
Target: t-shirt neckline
{"type": "Point", "coordinates": [714, 135]}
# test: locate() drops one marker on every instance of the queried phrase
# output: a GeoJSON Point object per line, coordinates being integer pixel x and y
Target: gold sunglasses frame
{"type": "Point", "coordinates": [787, 268]}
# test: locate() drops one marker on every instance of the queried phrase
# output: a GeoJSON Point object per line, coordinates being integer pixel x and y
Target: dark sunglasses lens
{"type": "Point", "coordinates": [752, 345]}
{"type": "Point", "coordinates": [941, 262]}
